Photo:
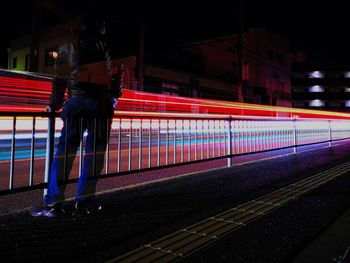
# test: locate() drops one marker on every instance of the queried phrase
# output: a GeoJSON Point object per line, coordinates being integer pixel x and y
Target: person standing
{"type": "Point", "coordinates": [89, 108]}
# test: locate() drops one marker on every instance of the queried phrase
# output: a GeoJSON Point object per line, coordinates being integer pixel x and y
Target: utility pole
{"type": "Point", "coordinates": [34, 45]}
{"type": "Point", "coordinates": [240, 52]}
{"type": "Point", "coordinates": [140, 57]}
{"type": "Point", "coordinates": [9, 57]}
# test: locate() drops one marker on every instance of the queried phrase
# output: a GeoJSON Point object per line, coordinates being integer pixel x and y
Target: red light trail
{"type": "Point", "coordinates": [27, 95]}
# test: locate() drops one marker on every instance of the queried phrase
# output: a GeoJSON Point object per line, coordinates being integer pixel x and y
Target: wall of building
{"type": "Point", "coordinates": [264, 55]}
{"type": "Point", "coordinates": [22, 59]}
{"type": "Point", "coordinates": [187, 84]}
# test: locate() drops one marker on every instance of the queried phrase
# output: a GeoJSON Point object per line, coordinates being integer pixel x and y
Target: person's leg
{"type": "Point", "coordinates": [67, 146]}
{"type": "Point", "coordinates": [96, 142]}
{"type": "Point", "coordinates": [62, 164]}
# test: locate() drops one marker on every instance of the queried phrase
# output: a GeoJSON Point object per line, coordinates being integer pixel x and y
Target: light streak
{"type": "Point", "coordinates": [18, 94]}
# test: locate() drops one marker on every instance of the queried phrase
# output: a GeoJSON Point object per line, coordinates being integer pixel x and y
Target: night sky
{"type": "Point", "coordinates": [321, 28]}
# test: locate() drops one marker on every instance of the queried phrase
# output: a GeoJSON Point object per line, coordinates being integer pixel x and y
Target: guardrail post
{"type": "Point", "coordinates": [229, 142]}
{"type": "Point", "coordinates": [330, 132]}
{"type": "Point", "coordinates": [50, 146]}
{"type": "Point", "coordinates": [13, 149]}
{"type": "Point", "coordinates": [295, 141]}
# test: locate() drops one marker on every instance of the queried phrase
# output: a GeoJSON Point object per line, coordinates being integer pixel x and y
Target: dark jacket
{"type": "Point", "coordinates": [89, 46]}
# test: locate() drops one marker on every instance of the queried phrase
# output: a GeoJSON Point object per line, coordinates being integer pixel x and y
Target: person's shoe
{"type": "Point", "coordinates": [87, 208]}
{"type": "Point", "coordinates": [47, 210]}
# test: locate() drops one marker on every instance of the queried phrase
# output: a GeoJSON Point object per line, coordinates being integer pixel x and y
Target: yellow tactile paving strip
{"type": "Point", "coordinates": [186, 241]}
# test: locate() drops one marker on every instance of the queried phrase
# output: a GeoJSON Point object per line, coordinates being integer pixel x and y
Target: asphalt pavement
{"type": "Point", "coordinates": [305, 230]}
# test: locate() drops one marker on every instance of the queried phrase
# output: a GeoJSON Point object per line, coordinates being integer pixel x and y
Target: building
{"type": "Point", "coordinates": [50, 41]}
{"type": "Point", "coordinates": [203, 69]}
{"type": "Point", "coordinates": [265, 66]}
{"type": "Point", "coordinates": [324, 89]}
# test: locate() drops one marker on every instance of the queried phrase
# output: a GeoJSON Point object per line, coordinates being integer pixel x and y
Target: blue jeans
{"type": "Point", "coordinates": [80, 114]}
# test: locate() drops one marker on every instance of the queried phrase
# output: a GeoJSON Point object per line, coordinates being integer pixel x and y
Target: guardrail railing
{"type": "Point", "coordinates": [144, 142]}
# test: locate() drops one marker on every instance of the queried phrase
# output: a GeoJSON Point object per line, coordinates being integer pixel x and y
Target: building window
{"type": "Point", "coordinates": [14, 62]}
{"type": "Point", "coordinates": [316, 103]}
{"type": "Point", "coordinates": [280, 85]}
{"type": "Point", "coordinates": [335, 89]}
{"type": "Point", "coordinates": [170, 89]}
{"type": "Point", "coordinates": [49, 56]}
{"type": "Point", "coordinates": [298, 89]}
{"type": "Point", "coordinates": [347, 89]}
{"type": "Point", "coordinates": [316, 74]}
{"type": "Point", "coordinates": [347, 103]}
{"type": "Point", "coordinates": [336, 104]}
{"type": "Point", "coordinates": [279, 58]}
{"type": "Point", "coordinates": [270, 54]}
{"type": "Point", "coordinates": [316, 88]}
{"type": "Point", "coordinates": [299, 104]}
{"type": "Point", "coordinates": [60, 52]}
{"type": "Point", "coordinates": [26, 62]}
{"type": "Point", "coordinates": [347, 74]}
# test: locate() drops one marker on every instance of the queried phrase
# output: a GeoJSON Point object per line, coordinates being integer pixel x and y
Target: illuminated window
{"type": "Point", "coordinates": [316, 74]}
{"type": "Point", "coordinates": [347, 103]}
{"type": "Point", "coordinates": [57, 55]}
{"type": "Point", "coordinates": [347, 74]}
{"type": "Point", "coordinates": [347, 89]}
{"type": "Point", "coordinates": [316, 103]}
{"type": "Point", "coordinates": [49, 56]}
{"type": "Point", "coordinates": [316, 88]}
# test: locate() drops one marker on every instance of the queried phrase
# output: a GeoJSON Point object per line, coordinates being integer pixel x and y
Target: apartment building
{"type": "Point", "coordinates": [325, 89]}
{"type": "Point", "coordinates": [204, 69]}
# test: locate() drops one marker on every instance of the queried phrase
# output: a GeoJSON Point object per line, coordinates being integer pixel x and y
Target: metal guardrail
{"type": "Point", "coordinates": [143, 143]}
